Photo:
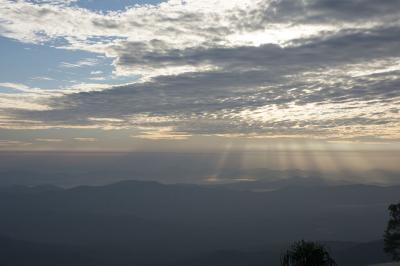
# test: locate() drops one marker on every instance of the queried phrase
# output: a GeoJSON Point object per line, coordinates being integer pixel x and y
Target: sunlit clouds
{"type": "Point", "coordinates": [318, 70]}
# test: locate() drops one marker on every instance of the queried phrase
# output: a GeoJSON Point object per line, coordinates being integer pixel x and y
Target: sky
{"type": "Point", "coordinates": [199, 75]}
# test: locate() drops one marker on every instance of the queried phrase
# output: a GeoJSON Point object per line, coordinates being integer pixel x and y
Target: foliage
{"type": "Point", "coordinates": [304, 253]}
{"type": "Point", "coordinates": [392, 232]}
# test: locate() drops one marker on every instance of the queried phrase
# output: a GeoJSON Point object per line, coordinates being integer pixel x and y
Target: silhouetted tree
{"type": "Point", "coordinates": [392, 232]}
{"type": "Point", "coordinates": [304, 253]}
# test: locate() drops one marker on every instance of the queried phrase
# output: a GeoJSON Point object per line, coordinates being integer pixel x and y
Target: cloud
{"type": "Point", "coordinates": [98, 72]}
{"type": "Point", "coordinates": [166, 133]}
{"type": "Point", "coordinates": [42, 78]}
{"type": "Point", "coordinates": [177, 25]}
{"type": "Point", "coordinates": [15, 86]}
{"type": "Point", "coordinates": [81, 63]}
{"type": "Point", "coordinates": [85, 139]}
{"type": "Point", "coordinates": [49, 140]}
{"type": "Point", "coordinates": [25, 101]}
{"type": "Point", "coordinates": [54, 2]}
{"type": "Point", "coordinates": [13, 143]}
{"type": "Point", "coordinates": [320, 68]}
{"type": "Point", "coordinates": [98, 78]}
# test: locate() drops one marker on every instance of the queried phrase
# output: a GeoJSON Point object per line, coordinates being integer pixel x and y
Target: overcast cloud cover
{"type": "Point", "coordinates": [327, 69]}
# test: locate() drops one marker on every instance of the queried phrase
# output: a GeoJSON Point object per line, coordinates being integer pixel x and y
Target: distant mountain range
{"type": "Point", "coordinates": [148, 223]}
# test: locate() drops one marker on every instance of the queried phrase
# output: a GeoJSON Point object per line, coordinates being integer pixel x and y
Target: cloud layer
{"type": "Point", "coordinates": [319, 68]}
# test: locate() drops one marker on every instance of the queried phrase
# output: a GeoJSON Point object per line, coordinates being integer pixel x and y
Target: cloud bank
{"type": "Point", "coordinates": [319, 68]}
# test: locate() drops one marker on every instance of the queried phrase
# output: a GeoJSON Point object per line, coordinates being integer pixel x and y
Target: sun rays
{"type": "Point", "coordinates": [301, 159]}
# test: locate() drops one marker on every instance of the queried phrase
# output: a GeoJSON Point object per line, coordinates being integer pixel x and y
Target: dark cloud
{"type": "Point", "coordinates": [235, 88]}
{"type": "Point", "coordinates": [344, 47]}
{"type": "Point", "coordinates": [105, 23]}
{"type": "Point", "coordinates": [328, 11]}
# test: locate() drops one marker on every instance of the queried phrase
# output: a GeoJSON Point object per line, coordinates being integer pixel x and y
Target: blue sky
{"type": "Point", "coordinates": [47, 67]}
{"type": "Point", "coordinates": [318, 71]}
{"type": "Point", "coordinates": [40, 65]}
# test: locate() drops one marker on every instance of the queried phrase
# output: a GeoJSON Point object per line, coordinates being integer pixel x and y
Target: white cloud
{"type": "Point", "coordinates": [15, 86]}
{"type": "Point", "coordinates": [169, 26]}
{"type": "Point", "coordinates": [13, 143]}
{"type": "Point", "coordinates": [42, 78]}
{"type": "Point", "coordinates": [49, 140]}
{"type": "Point", "coordinates": [81, 63]}
{"type": "Point", "coordinates": [98, 78]}
{"type": "Point", "coordinates": [98, 72]}
{"type": "Point", "coordinates": [163, 133]}
{"type": "Point", "coordinates": [265, 67]}
{"type": "Point", "coordinates": [21, 102]}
